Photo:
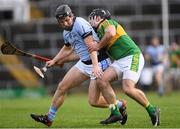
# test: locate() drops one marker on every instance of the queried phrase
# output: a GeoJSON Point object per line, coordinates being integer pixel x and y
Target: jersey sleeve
{"type": "Point", "coordinates": [66, 40]}
{"type": "Point", "coordinates": [106, 23]}
{"type": "Point", "coordinates": [84, 28]}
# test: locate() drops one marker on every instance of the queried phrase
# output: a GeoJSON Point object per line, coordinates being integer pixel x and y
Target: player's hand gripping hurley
{"type": "Point", "coordinates": [41, 71]}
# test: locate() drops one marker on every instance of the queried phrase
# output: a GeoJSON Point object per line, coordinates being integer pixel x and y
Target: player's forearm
{"type": "Point", "coordinates": [94, 58]}
{"type": "Point", "coordinates": [70, 58]}
{"type": "Point", "coordinates": [104, 41]}
{"type": "Point", "coordinates": [109, 34]}
{"type": "Point", "coordinates": [63, 53]}
{"type": "Point", "coordinates": [89, 40]}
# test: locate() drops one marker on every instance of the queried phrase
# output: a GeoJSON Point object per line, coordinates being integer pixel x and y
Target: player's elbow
{"type": "Point", "coordinates": [110, 34]}
{"type": "Point", "coordinates": [111, 31]}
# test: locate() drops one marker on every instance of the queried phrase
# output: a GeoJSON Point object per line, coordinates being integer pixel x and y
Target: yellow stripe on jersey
{"type": "Point", "coordinates": [119, 31]}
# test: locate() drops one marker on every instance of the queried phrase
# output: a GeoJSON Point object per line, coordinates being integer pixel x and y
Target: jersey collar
{"type": "Point", "coordinates": [100, 23]}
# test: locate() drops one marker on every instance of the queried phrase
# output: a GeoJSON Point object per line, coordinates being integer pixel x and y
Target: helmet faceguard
{"type": "Point", "coordinates": [98, 12]}
{"type": "Point", "coordinates": [97, 15]}
{"type": "Point", "coordinates": [94, 21]}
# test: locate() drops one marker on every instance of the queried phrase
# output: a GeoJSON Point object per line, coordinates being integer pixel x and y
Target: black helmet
{"type": "Point", "coordinates": [63, 11]}
{"type": "Point", "coordinates": [104, 14]}
{"type": "Point", "coordinates": [108, 14]}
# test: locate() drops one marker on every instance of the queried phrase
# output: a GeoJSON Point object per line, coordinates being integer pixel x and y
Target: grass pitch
{"type": "Point", "coordinates": [76, 113]}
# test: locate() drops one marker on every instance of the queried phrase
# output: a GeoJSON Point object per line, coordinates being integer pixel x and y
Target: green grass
{"type": "Point", "coordinates": [76, 113]}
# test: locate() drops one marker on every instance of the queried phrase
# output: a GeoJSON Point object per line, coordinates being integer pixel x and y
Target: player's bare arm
{"type": "Point", "coordinates": [96, 69]}
{"type": "Point", "coordinates": [72, 57]}
{"type": "Point", "coordinates": [110, 32]}
{"type": "Point", "coordinates": [58, 59]}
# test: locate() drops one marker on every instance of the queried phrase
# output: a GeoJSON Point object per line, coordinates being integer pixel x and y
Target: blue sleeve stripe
{"type": "Point", "coordinates": [86, 34]}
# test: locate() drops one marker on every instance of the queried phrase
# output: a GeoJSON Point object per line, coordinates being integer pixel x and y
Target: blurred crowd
{"type": "Point", "coordinates": [162, 67]}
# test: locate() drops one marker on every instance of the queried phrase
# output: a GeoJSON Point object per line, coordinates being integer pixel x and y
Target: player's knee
{"type": "Point", "coordinates": [101, 83]}
{"type": "Point", "coordinates": [92, 103]}
{"type": "Point", "coordinates": [62, 89]}
{"type": "Point", "coordinates": [127, 88]}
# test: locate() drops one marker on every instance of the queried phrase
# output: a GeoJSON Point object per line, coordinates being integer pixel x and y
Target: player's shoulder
{"type": "Point", "coordinates": [106, 23]}
{"type": "Point", "coordinates": [80, 21]}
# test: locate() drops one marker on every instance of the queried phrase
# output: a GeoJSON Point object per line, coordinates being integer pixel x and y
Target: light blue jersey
{"type": "Point", "coordinates": [155, 53]}
{"type": "Point", "coordinates": [75, 37]}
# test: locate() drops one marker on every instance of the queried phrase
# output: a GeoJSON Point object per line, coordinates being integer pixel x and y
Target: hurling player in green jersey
{"type": "Point", "coordinates": [128, 59]}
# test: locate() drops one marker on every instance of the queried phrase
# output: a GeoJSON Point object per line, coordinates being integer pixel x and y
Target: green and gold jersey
{"type": "Point", "coordinates": [121, 45]}
{"type": "Point", "coordinates": [174, 57]}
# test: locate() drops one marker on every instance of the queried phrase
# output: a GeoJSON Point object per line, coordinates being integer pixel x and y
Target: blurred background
{"type": "Point", "coordinates": [30, 25]}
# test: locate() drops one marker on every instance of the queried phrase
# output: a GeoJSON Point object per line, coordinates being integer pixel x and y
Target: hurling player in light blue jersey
{"type": "Point", "coordinates": [77, 34]}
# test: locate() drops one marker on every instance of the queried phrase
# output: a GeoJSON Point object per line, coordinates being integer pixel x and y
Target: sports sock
{"type": "Point", "coordinates": [161, 90]}
{"type": "Point", "coordinates": [119, 103]}
{"type": "Point", "coordinates": [114, 109]}
{"type": "Point", "coordinates": [52, 113]}
{"type": "Point", "coordinates": [150, 109]}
